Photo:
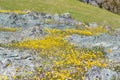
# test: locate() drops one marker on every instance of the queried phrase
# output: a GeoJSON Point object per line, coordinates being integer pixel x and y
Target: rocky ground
{"type": "Point", "coordinates": [110, 5]}
{"type": "Point", "coordinates": [32, 25]}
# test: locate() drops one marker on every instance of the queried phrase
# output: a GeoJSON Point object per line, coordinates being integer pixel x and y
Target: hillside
{"type": "Point", "coordinates": [43, 50]}
{"type": "Point", "coordinates": [40, 41]}
{"type": "Point", "coordinates": [79, 11]}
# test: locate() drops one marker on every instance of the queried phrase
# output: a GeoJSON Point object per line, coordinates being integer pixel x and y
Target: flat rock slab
{"type": "Point", "coordinates": [10, 60]}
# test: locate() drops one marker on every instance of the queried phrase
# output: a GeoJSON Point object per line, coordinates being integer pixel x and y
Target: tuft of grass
{"type": "Point", "coordinates": [79, 11]}
{"type": "Point", "coordinates": [117, 68]}
{"type": "Point", "coordinates": [6, 29]}
{"type": "Point", "coordinates": [3, 45]}
{"type": "Point", "coordinates": [114, 78]}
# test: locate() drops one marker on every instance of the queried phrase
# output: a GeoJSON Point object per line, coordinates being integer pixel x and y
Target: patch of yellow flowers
{"type": "Point", "coordinates": [68, 32]}
{"type": "Point", "coordinates": [68, 61]}
{"type": "Point", "coordinates": [73, 65]}
{"type": "Point", "coordinates": [88, 31]}
{"type": "Point", "coordinates": [15, 11]}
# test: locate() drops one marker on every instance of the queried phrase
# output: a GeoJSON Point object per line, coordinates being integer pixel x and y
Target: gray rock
{"type": "Point", "coordinates": [12, 59]}
{"type": "Point", "coordinates": [93, 3]}
{"type": "Point", "coordinates": [101, 74]}
{"type": "Point", "coordinates": [35, 19]}
{"type": "Point", "coordinates": [93, 74]}
{"type": "Point", "coordinates": [7, 63]}
{"type": "Point", "coordinates": [66, 15]}
{"type": "Point", "coordinates": [28, 32]}
{"type": "Point", "coordinates": [93, 24]}
{"type": "Point", "coordinates": [118, 75]}
{"type": "Point", "coordinates": [56, 17]}
{"type": "Point", "coordinates": [107, 74]}
{"type": "Point", "coordinates": [86, 1]}
{"type": "Point", "coordinates": [83, 41]}
{"type": "Point", "coordinates": [1, 64]}
{"type": "Point", "coordinates": [48, 16]}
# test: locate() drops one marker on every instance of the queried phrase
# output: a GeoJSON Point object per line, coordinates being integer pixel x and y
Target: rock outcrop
{"type": "Point", "coordinates": [32, 27]}
{"type": "Point", "coordinates": [110, 5]}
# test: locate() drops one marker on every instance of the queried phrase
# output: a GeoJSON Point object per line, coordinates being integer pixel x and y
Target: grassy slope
{"type": "Point", "coordinates": [79, 11]}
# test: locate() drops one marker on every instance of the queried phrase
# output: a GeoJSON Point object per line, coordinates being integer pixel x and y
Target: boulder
{"type": "Point", "coordinates": [110, 5]}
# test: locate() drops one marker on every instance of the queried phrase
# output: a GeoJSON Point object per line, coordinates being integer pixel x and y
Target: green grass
{"type": "Point", "coordinates": [80, 11]}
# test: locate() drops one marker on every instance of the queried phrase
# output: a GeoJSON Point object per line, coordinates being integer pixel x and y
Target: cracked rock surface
{"type": "Point", "coordinates": [11, 60]}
